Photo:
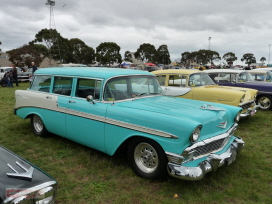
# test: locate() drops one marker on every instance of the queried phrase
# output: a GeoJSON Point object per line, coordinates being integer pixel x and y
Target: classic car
{"type": "Point", "coordinates": [21, 74]}
{"type": "Point", "coordinates": [197, 85]}
{"type": "Point", "coordinates": [261, 75]}
{"type": "Point", "coordinates": [242, 78]}
{"type": "Point", "coordinates": [108, 110]}
{"type": "Point", "coordinates": [23, 182]}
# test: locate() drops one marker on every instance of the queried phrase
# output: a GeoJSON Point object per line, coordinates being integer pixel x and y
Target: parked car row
{"type": "Point", "coordinates": [109, 109]}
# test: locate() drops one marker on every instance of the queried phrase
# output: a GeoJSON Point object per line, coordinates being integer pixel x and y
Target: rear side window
{"type": "Point", "coordinates": [41, 83]}
{"type": "Point", "coordinates": [63, 85]}
{"type": "Point", "coordinates": [86, 87]}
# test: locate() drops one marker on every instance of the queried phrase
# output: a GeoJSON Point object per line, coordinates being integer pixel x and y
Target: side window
{"type": "Point", "coordinates": [86, 87]}
{"type": "Point", "coordinates": [41, 83]}
{"type": "Point", "coordinates": [63, 85]}
{"type": "Point", "coordinates": [161, 79]}
{"type": "Point", "coordinates": [224, 78]}
{"type": "Point", "coordinates": [214, 77]}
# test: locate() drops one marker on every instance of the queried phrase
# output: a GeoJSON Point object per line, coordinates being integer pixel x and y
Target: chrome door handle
{"type": "Point", "coordinates": [71, 101]}
{"type": "Point", "coordinates": [48, 97]}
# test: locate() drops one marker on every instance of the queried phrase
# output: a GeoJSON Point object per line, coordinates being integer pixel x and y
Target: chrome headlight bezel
{"type": "Point", "coordinates": [237, 117]}
{"type": "Point", "coordinates": [195, 134]}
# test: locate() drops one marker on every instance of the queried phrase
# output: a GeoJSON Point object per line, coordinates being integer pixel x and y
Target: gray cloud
{"type": "Point", "coordinates": [235, 26]}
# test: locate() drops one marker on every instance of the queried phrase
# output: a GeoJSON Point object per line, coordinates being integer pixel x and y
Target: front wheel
{"type": "Point", "coordinates": [38, 126]}
{"type": "Point", "coordinates": [147, 158]}
{"type": "Point", "coordinates": [265, 102]}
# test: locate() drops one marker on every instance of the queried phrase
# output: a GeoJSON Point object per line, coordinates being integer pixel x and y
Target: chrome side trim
{"type": "Point", "coordinates": [108, 121]}
{"type": "Point", "coordinates": [210, 107]}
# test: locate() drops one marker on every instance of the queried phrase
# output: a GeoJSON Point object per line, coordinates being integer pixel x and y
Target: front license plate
{"type": "Point", "coordinates": [230, 160]}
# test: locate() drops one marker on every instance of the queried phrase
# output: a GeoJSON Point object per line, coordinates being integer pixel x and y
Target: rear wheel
{"type": "Point", "coordinates": [38, 126]}
{"type": "Point", "coordinates": [265, 102]}
{"type": "Point", "coordinates": [147, 158]}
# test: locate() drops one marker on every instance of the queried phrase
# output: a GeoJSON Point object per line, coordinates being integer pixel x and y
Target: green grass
{"type": "Point", "coordinates": [87, 176]}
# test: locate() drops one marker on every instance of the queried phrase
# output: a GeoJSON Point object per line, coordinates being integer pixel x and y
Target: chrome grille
{"type": "Point", "coordinates": [210, 147]}
{"type": "Point", "coordinates": [246, 106]}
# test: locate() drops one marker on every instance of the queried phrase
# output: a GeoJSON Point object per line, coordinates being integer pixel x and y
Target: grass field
{"type": "Point", "coordinates": [87, 176]}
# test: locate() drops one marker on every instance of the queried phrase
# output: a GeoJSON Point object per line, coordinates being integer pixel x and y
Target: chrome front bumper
{"type": "Point", "coordinates": [250, 111]}
{"type": "Point", "coordinates": [212, 162]}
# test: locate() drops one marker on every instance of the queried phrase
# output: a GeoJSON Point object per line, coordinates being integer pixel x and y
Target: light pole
{"type": "Point", "coordinates": [209, 43]}
{"type": "Point", "coordinates": [269, 54]}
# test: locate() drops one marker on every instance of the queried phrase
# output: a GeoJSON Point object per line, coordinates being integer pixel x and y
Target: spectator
{"type": "Point", "coordinates": [14, 74]}
{"type": "Point", "coordinates": [34, 67]}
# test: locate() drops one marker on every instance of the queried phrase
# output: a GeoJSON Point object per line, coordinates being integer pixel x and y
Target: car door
{"type": "Point", "coordinates": [85, 119]}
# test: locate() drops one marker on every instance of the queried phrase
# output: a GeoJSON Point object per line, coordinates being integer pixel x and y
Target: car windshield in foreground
{"type": "Point", "coordinates": [131, 87]}
{"type": "Point", "coordinates": [200, 79]}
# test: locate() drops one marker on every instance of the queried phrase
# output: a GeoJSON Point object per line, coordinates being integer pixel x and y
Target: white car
{"type": "Point", "coordinates": [261, 75]}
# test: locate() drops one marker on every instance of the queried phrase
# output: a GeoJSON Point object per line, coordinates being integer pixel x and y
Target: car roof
{"type": "Point", "coordinates": [224, 70]}
{"type": "Point", "coordinates": [176, 71]}
{"type": "Point", "coordinates": [97, 72]}
{"type": "Point", "coordinates": [266, 69]}
{"type": "Point", "coordinates": [258, 71]}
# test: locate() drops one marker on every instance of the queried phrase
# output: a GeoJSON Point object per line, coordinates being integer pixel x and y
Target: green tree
{"type": "Point", "coordinates": [24, 55]}
{"type": "Point", "coordinates": [0, 49]}
{"type": "Point", "coordinates": [263, 59]}
{"type": "Point", "coordinates": [163, 55]}
{"type": "Point", "coordinates": [248, 58]}
{"type": "Point", "coordinates": [87, 55]}
{"type": "Point", "coordinates": [50, 39]}
{"type": "Point", "coordinates": [128, 56]}
{"type": "Point", "coordinates": [108, 53]}
{"type": "Point", "coordinates": [184, 57]}
{"type": "Point", "coordinates": [229, 57]}
{"type": "Point", "coordinates": [146, 52]}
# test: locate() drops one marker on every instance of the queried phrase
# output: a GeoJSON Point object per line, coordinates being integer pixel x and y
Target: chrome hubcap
{"type": "Point", "coordinates": [264, 102]}
{"type": "Point", "coordinates": [146, 157]}
{"type": "Point", "coordinates": [38, 124]}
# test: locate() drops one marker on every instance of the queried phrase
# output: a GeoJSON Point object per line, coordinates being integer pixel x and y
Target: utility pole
{"type": "Point", "coordinates": [269, 53]}
{"type": "Point", "coordinates": [209, 48]}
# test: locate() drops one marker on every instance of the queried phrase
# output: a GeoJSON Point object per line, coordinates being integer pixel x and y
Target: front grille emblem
{"type": "Point", "coordinates": [26, 175]}
{"type": "Point", "coordinates": [222, 124]}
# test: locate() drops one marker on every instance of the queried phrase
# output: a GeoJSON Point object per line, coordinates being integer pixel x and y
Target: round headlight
{"type": "Point", "coordinates": [242, 99]}
{"type": "Point", "coordinates": [45, 195]}
{"type": "Point", "coordinates": [196, 134]}
{"type": "Point", "coordinates": [237, 117]}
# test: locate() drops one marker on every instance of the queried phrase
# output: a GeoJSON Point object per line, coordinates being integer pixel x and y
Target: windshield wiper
{"type": "Point", "coordinates": [140, 94]}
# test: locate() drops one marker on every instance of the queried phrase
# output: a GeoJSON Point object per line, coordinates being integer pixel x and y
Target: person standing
{"type": "Point", "coordinates": [9, 75]}
{"type": "Point", "coordinates": [34, 68]}
{"type": "Point", "coordinates": [14, 74]}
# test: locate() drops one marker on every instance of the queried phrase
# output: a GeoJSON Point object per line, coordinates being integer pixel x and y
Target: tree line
{"type": "Point", "coordinates": [49, 43]}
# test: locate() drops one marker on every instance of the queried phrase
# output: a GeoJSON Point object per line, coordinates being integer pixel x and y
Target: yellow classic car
{"type": "Point", "coordinates": [197, 85]}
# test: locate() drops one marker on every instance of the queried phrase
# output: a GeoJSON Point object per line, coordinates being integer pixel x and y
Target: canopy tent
{"type": "Point", "coordinates": [150, 64]}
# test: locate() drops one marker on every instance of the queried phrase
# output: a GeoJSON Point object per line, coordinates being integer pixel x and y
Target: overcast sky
{"type": "Point", "coordinates": [239, 26]}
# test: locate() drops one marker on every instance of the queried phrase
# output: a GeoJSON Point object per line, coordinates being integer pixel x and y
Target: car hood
{"type": "Point", "coordinates": [15, 183]}
{"type": "Point", "coordinates": [164, 113]}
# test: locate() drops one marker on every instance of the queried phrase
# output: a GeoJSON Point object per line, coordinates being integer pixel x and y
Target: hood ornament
{"type": "Point", "coordinates": [26, 175]}
{"type": "Point", "coordinates": [222, 124]}
{"type": "Point", "coordinates": [210, 107]}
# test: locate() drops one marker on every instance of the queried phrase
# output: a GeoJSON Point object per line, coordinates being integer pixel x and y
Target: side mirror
{"type": "Point", "coordinates": [90, 99]}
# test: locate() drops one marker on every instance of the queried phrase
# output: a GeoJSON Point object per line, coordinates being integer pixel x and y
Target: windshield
{"type": "Point", "coordinates": [200, 79]}
{"type": "Point", "coordinates": [269, 76]}
{"type": "Point", "coordinates": [245, 76]}
{"type": "Point", "coordinates": [129, 87]}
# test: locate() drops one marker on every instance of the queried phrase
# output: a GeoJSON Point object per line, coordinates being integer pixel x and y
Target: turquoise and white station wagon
{"type": "Point", "coordinates": [108, 109]}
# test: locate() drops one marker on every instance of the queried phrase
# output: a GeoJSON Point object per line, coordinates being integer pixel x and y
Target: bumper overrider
{"type": "Point", "coordinates": [211, 163]}
{"type": "Point", "coordinates": [250, 111]}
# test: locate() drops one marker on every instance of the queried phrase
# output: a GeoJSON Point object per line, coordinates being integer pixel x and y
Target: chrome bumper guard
{"type": "Point", "coordinates": [212, 163]}
{"type": "Point", "coordinates": [250, 111]}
